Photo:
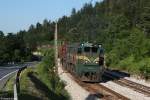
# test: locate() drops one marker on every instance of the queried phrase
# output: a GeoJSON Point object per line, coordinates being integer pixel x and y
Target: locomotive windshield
{"type": "Point", "coordinates": [87, 49]}
{"type": "Point", "coordinates": [94, 49]}
{"type": "Point", "coordinates": [91, 49]}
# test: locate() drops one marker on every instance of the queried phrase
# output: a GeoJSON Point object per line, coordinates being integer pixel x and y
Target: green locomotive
{"type": "Point", "coordinates": [85, 60]}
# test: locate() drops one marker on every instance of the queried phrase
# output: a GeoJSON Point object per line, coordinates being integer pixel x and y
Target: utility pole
{"type": "Point", "coordinates": [56, 48]}
{"type": "Point", "coordinates": [91, 1]}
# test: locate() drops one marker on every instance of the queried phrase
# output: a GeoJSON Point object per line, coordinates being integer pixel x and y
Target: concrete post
{"type": "Point", "coordinates": [56, 48]}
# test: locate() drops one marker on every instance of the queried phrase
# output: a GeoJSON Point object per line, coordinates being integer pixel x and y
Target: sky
{"type": "Point", "coordinates": [16, 15]}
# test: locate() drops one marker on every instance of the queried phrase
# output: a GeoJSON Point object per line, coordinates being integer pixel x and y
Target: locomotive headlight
{"type": "Point", "coordinates": [96, 62]}
{"type": "Point", "coordinates": [86, 61]}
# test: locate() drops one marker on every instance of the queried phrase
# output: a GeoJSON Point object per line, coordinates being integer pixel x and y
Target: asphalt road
{"type": "Point", "coordinates": [5, 74]}
{"type": "Point", "coordinates": [5, 71]}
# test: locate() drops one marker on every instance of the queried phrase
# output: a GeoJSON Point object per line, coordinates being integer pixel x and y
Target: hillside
{"type": "Point", "coordinates": [122, 26]}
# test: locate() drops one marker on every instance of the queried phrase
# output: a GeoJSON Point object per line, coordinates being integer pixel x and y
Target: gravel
{"type": "Point", "coordinates": [78, 93]}
{"type": "Point", "coordinates": [133, 95]}
{"type": "Point", "coordinates": [140, 81]}
{"type": "Point", "coordinates": [135, 79]}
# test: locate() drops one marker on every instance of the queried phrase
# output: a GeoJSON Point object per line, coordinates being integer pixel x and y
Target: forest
{"type": "Point", "coordinates": [13, 49]}
{"type": "Point", "coordinates": [121, 26]}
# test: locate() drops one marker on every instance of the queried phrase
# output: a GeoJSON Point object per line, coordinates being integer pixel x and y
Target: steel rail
{"type": "Point", "coordinates": [125, 82]}
{"type": "Point", "coordinates": [99, 90]}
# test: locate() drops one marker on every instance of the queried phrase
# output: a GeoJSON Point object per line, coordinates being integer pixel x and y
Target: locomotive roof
{"type": "Point", "coordinates": [84, 44]}
{"type": "Point", "coordinates": [90, 45]}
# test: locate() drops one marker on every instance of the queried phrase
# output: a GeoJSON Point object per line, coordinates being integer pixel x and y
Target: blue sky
{"type": "Point", "coordinates": [17, 15]}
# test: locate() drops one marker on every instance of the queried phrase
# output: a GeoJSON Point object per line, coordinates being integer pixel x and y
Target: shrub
{"type": "Point", "coordinates": [145, 68]}
{"type": "Point", "coordinates": [46, 73]}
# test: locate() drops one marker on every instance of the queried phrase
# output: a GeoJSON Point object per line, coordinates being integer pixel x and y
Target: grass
{"type": "Point", "coordinates": [41, 82]}
{"type": "Point", "coordinates": [27, 88]}
{"type": "Point", "coordinates": [7, 94]}
{"type": "Point", "coordinates": [8, 89]}
{"type": "Point", "coordinates": [10, 84]}
{"type": "Point", "coordinates": [37, 89]}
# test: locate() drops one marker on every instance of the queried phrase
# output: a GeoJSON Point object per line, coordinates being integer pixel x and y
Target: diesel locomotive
{"type": "Point", "coordinates": [84, 60]}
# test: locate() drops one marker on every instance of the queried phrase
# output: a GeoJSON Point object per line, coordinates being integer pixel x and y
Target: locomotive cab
{"type": "Point", "coordinates": [90, 62]}
{"type": "Point", "coordinates": [85, 60]}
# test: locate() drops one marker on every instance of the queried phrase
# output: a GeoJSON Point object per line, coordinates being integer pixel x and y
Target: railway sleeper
{"type": "Point", "coordinates": [89, 76]}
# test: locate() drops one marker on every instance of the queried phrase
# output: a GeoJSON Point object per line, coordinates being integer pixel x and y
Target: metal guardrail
{"type": "Point", "coordinates": [15, 92]}
{"type": "Point", "coordinates": [17, 84]}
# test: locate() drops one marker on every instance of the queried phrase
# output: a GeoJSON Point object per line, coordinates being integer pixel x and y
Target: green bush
{"type": "Point", "coordinates": [43, 82]}
{"type": "Point", "coordinates": [46, 73]}
{"type": "Point", "coordinates": [127, 64]}
{"type": "Point", "coordinates": [111, 59]}
{"type": "Point", "coordinates": [145, 68]}
{"type": "Point", "coordinates": [140, 67]}
{"type": "Point", "coordinates": [46, 68]}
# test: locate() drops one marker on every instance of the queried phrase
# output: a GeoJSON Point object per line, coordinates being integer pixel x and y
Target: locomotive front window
{"type": "Point", "coordinates": [94, 49]}
{"type": "Point", "coordinates": [87, 49]}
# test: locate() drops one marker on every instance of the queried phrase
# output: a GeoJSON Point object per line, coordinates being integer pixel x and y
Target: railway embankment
{"type": "Point", "coordinates": [127, 76]}
{"type": "Point", "coordinates": [131, 94]}
{"type": "Point", "coordinates": [76, 91]}
{"type": "Point", "coordinates": [87, 91]}
{"type": "Point", "coordinates": [127, 86]}
{"type": "Point", "coordinates": [107, 89]}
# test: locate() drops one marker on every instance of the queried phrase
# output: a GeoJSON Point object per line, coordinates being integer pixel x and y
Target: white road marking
{"type": "Point", "coordinates": [8, 74]}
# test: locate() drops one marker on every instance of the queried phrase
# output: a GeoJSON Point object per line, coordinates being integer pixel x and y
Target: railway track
{"type": "Point", "coordinates": [124, 82]}
{"type": "Point", "coordinates": [98, 90]}
{"type": "Point", "coordinates": [107, 93]}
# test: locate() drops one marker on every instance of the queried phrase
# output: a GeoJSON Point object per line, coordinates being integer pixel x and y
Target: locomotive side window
{"type": "Point", "coordinates": [101, 51]}
{"type": "Point", "coordinates": [87, 49]}
{"type": "Point", "coordinates": [79, 50]}
{"type": "Point", "coordinates": [94, 49]}
{"type": "Point", "coordinates": [101, 57]}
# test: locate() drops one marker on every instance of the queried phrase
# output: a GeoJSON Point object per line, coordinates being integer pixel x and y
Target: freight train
{"type": "Point", "coordinates": [84, 60]}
